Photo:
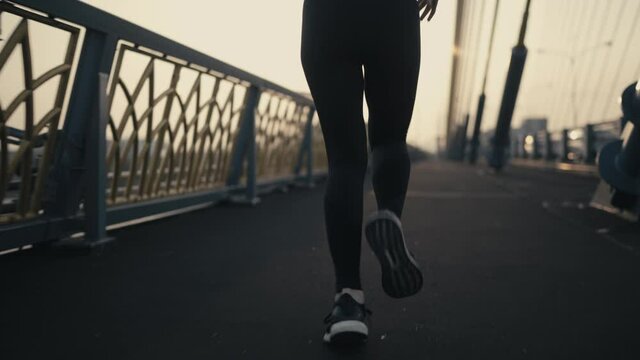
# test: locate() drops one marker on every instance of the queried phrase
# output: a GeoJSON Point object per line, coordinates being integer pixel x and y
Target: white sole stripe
{"type": "Point", "coordinates": [347, 326]}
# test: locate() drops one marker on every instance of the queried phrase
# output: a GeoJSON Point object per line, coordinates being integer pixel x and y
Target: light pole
{"type": "Point", "coordinates": [572, 58]}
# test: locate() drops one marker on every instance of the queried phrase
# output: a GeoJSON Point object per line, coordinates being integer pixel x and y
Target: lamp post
{"type": "Point", "coordinates": [572, 57]}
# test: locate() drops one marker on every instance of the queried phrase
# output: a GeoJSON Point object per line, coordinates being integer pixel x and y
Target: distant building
{"type": "Point", "coordinates": [532, 126]}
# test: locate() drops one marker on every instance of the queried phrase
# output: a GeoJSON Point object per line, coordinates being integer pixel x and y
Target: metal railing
{"type": "Point", "coordinates": [573, 145]}
{"type": "Point", "coordinates": [36, 137]}
{"type": "Point", "coordinates": [150, 126]}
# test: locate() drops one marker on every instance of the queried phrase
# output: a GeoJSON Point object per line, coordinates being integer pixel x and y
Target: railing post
{"type": "Point", "coordinates": [548, 146]}
{"type": "Point", "coordinates": [589, 144]}
{"type": "Point", "coordinates": [252, 193]}
{"type": "Point", "coordinates": [310, 148]}
{"type": "Point", "coordinates": [565, 145]}
{"type": "Point", "coordinates": [72, 178]}
{"type": "Point", "coordinates": [95, 205]}
{"type": "Point", "coordinates": [245, 149]}
{"type": "Point", "coordinates": [306, 150]}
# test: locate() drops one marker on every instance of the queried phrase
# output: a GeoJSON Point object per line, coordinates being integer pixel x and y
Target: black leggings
{"type": "Point", "coordinates": [339, 38]}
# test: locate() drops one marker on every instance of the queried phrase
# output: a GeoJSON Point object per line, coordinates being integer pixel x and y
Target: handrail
{"type": "Point", "coordinates": [253, 136]}
{"type": "Point", "coordinates": [91, 17]}
{"type": "Point", "coordinates": [568, 145]}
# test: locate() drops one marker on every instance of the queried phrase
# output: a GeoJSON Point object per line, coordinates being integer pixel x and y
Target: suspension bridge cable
{"type": "Point", "coordinates": [455, 67]}
{"type": "Point", "coordinates": [605, 21]}
{"type": "Point", "coordinates": [471, 48]}
{"type": "Point", "coordinates": [570, 34]}
{"type": "Point", "coordinates": [494, 21]}
{"type": "Point", "coordinates": [465, 64]}
{"type": "Point", "coordinates": [534, 65]}
{"type": "Point", "coordinates": [474, 72]}
{"type": "Point", "coordinates": [632, 31]}
{"type": "Point", "coordinates": [582, 72]}
{"type": "Point", "coordinates": [491, 42]}
{"type": "Point", "coordinates": [476, 55]}
{"type": "Point", "coordinates": [561, 66]}
{"type": "Point", "coordinates": [605, 66]}
{"type": "Point", "coordinates": [570, 106]}
{"type": "Point", "coordinates": [596, 39]}
{"type": "Point", "coordinates": [462, 56]}
{"type": "Point", "coordinates": [563, 29]}
{"type": "Point", "coordinates": [539, 69]}
{"type": "Point", "coordinates": [478, 27]}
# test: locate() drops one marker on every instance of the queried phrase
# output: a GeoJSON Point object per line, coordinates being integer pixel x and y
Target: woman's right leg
{"type": "Point", "coordinates": [334, 73]}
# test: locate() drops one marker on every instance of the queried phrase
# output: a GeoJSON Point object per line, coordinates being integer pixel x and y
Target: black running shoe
{"type": "Point", "coordinates": [401, 275]}
{"type": "Point", "coordinates": [347, 323]}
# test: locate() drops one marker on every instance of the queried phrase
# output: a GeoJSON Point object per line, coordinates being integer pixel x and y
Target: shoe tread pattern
{"type": "Point", "coordinates": [401, 277]}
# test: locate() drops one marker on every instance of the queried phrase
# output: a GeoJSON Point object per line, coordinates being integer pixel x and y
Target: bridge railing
{"type": "Point", "coordinates": [140, 125]}
{"type": "Point", "coordinates": [575, 145]}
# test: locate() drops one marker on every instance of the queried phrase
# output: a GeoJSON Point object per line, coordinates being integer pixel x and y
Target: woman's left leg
{"type": "Point", "coordinates": [392, 65]}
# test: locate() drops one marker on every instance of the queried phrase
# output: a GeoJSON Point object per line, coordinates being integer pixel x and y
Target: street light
{"type": "Point", "coordinates": [572, 57]}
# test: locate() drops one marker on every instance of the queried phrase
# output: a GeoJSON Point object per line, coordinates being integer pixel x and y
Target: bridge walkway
{"type": "Point", "coordinates": [517, 266]}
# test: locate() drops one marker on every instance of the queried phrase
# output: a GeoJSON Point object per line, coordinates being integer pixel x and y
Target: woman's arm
{"type": "Point", "coordinates": [429, 7]}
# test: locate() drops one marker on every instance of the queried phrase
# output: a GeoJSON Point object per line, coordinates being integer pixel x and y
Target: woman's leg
{"type": "Point", "coordinates": [392, 64]}
{"type": "Point", "coordinates": [334, 73]}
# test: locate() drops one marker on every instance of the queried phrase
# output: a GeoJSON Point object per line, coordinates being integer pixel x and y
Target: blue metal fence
{"type": "Point", "coordinates": [151, 126]}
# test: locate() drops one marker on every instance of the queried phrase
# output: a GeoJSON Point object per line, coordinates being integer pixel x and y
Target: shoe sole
{"type": "Point", "coordinates": [401, 275]}
{"type": "Point", "coordinates": [346, 333]}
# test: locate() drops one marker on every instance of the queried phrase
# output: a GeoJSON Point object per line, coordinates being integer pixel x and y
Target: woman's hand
{"type": "Point", "coordinates": [428, 7]}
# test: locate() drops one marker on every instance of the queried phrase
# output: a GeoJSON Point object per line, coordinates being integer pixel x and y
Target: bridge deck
{"type": "Point", "coordinates": [515, 266]}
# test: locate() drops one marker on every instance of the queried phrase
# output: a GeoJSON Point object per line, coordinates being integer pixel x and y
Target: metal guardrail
{"type": "Point", "coordinates": [28, 191]}
{"type": "Point", "coordinates": [151, 126]}
{"type": "Point", "coordinates": [573, 145]}
{"type": "Point", "coordinates": [610, 149]}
